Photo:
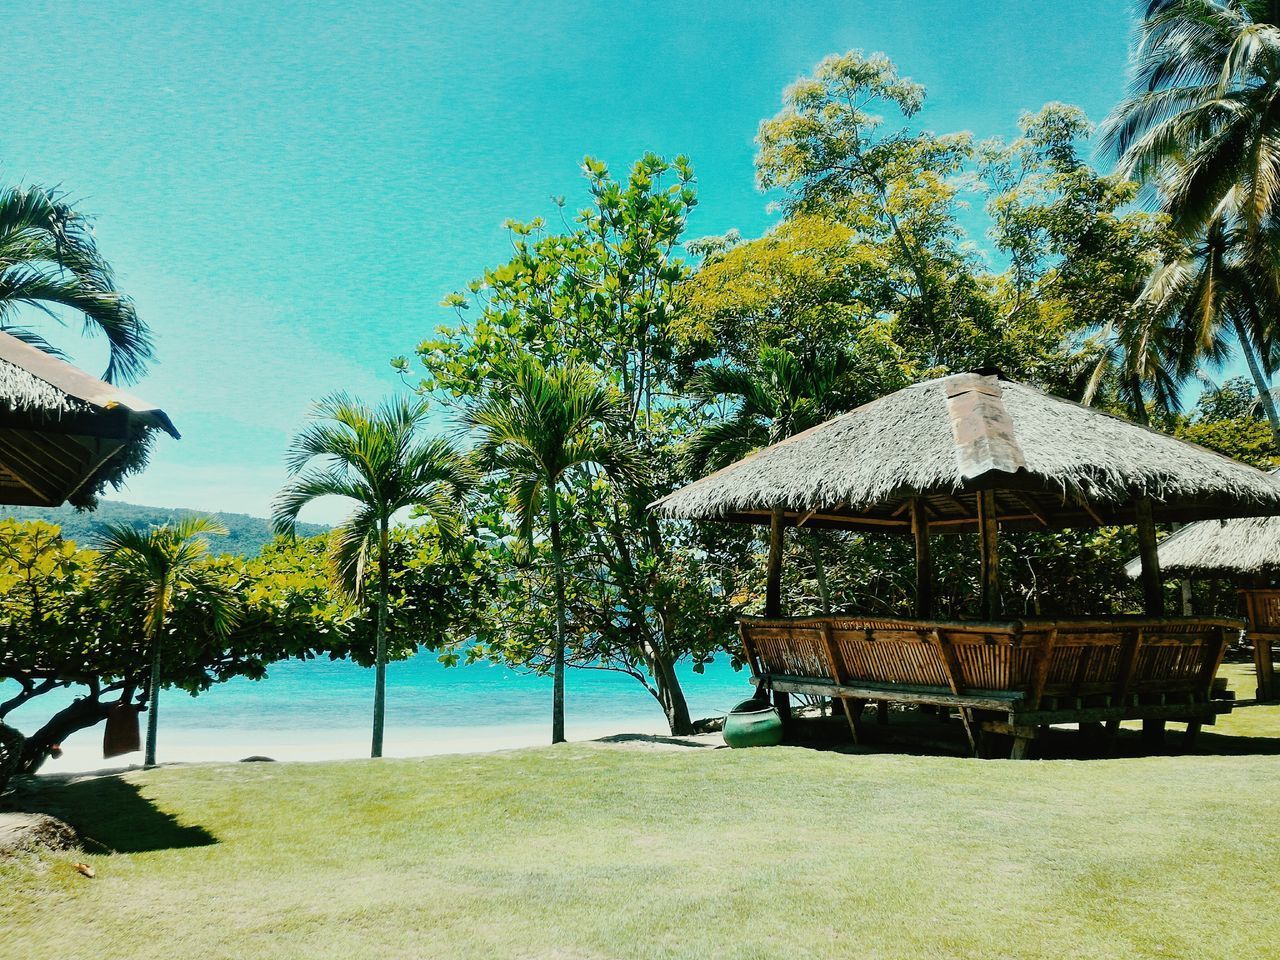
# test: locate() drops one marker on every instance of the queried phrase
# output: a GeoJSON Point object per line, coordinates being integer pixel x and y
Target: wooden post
{"type": "Point", "coordinates": [988, 540]}
{"type": "Point", "coordinates": [773, 585]}
{"type": "Point", "coordinates": [924, 561]}
{"type": "Point", "coordinates": [1152, 584]}
{"type": "Point", "coordinates": [773, 599]}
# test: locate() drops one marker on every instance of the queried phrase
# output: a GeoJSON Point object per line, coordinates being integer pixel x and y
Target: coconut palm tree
{"type": "Point", "coordinates": [535, 425]}
{"type": "Point", "coordinates": [143, 569]}
{"type": "Point", "coordinates": [377, 458]}
{"type": "Point", "coordinates": [1219, 290]}
{"type": "Point", "coordinates": [1203, 129]}
{"type": "Point", "coordinates": [1203, 123]}
{"type": "Point", "coordinates": [49, 260]}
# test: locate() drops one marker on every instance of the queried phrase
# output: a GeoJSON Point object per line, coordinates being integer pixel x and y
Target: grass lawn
{"type": "Point", "coordinates": [586, 851]}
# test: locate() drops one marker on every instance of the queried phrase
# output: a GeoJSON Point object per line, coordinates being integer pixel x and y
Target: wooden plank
{"type": "Point", "coordinates": [1166, 711]}
{"type": "Point", "coordinates": [1040, 674]}
{"type": "Point", "coordinates": [1000, 700]}
{"type": "Point", "coordinates": [989, 545]}
{"type": "Point", "coordinates": [924, 559]}
{"type": "Point", "coordinates": [1129, 653]}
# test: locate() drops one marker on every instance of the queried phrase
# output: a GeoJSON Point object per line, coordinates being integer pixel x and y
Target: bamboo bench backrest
{"type": "Point", "coordinates": [1069, 657]}
{"type": "Point", "coordinates": [1263, 609]}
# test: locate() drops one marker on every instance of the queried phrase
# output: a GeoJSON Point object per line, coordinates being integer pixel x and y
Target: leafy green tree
{"type": "Point", "coordinates": [833, 154]}
{"type": "Point", "coordinates": [601, 291]}
{"type": "Point", "coordinates": [536, 425]}
{"type": "Point", "coordinates": [378, 459]}
{"type": "Point", "coordinates": [56, 634]}
{"type": "Point", "coordinates": [49, 260]}
{"type": "Point", "coordinates": [141, 570]}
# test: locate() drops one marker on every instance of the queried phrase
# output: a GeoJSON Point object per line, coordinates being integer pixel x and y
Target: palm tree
{"type": "Point", "coordinates": [781, 395]}
{"type": "Point", "coordinates": [535, 425]}
{"type": "Point", "coordinates": [378, 459]}
{"type": "Point", "coordinates": [1203, 128]}
{"type": "Point", "coordinates": [1218, 290]}
{"type": "Point", "coordinates": [49, 260]}
{"type": "Point", "coordinates": [143, 569]}
{"type": "Point", "coordinates": [1204, 120]}
{"type": "Point", "coordinates": [1144, 358]}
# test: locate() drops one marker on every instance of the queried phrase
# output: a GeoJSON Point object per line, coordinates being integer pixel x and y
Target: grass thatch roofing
{"type": "Point", "coordinates": [1242, 547]}
{"type": "Point", "coordinates": [65, 434]}
{"type": "Point", "coordinates": [1052, 462]}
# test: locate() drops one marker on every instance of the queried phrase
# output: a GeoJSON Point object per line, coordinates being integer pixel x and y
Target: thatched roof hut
{"type": "Point", "coordinates": [1239, 549]}
{"type": "Point", "coordinates": [1049, 461]}
{"type": "Point", "coordinates": [64, 435]}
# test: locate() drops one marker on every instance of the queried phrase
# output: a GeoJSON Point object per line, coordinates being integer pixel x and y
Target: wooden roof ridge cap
{"type": "Point", "coordinates": [74, 382]}
{"type": "Point", "coordinates": [985, 440]}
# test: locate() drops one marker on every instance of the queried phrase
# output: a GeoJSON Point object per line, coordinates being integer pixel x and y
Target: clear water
{"type": "Point", "coordinates": [321, 709]}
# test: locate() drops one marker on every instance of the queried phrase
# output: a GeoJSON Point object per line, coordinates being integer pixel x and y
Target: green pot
{"type": "Point", "coordinates": [753, 723]}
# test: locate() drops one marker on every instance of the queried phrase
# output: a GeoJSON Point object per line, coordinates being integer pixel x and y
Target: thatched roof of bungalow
{"type": "Point", "coordinates": [1245, 547]}
{"type": "Point", "coordinates": [1052, 462]}
{"type": "Point", "coordinates": [64, 434]}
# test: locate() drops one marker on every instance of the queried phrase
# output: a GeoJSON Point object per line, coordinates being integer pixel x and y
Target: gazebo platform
{"type": "Point", "coordinates": [1006, 677]}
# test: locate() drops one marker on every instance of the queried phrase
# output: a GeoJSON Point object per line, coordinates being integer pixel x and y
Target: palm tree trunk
{"type": "Point", "coordinates": [380, 644]}
{"type": "Point", "coordinates": [153, 695]}
{"type": "Point", "coordinates": [557, 561]}
{"type": "Point", "coordinates": [153, 707]}
{"type": "Point", "coordinates": [1259, 379]}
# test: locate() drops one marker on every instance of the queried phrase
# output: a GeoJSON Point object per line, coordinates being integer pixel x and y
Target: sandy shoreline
{"type": "Point", "coordinates": [186, 745]}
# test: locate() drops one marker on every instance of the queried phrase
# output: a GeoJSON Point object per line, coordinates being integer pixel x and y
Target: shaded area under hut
{"type": "Point", "coordinates": [976, 452]}
{"type": "Point", "coordinates": [1244, 551]}
{"type": "Point", "coordinates": [65, 435]}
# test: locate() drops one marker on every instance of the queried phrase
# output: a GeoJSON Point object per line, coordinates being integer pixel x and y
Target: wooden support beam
{"type": "Point", "coordinates": [773, 583]}
{"type": "Point", "coordinates": [924, 560]}
{"type": "Point", "coordinates": [1130, 651]}
{"type": "Point", "coordinates": [1152, 583]}
{"type": "Point", "coordinates": [988, 539]}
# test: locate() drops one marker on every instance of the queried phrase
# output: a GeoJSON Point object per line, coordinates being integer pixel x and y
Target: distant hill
{"type": "Point", "coordinates": [245, 534]}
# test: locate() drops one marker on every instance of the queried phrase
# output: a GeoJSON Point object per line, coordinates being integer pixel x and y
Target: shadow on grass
{"type": "Point", "coordinates": [929, 735]}
{"type": "Point", "coordinates": [109, 813]}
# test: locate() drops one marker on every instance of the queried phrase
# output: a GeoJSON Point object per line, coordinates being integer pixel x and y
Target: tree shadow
{"type": "Point", "coordinates": [110, 814]}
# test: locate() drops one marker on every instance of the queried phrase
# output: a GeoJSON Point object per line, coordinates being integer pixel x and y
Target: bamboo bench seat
{"type": "Point", "coordinates": [1014, 674]}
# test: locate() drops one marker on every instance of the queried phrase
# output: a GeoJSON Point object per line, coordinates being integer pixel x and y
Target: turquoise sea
{"type": "Point", "coordinates": [321, 709]}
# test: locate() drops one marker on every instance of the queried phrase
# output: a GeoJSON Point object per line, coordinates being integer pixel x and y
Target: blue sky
{"type": "Point", "coordinates": [288, 189]}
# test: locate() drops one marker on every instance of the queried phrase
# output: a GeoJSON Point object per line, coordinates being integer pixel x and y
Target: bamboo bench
{"type": "Point", "coordinates": [1262, 608]}
{"type": "Point", "coordinates": [1009, 677]}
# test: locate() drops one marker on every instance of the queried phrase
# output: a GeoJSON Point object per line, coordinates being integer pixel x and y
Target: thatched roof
{"type": "Point", "coordinates": [1243, 547]}
{"type": "Point", "coordinates": [1053, 463]}
{"type": "Point", "coordinates": [63, 433]}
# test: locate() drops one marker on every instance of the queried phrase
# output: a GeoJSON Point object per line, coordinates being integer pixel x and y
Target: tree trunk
{"type": "Point", "coordinates": [557, 562]}
{"type": "Point", "coordinates": [380, 643]}
{"type": "Point", "coordinates": [1259, 379]}
{"type": "Point", "coordinates": [820, 572]}
{"type": "Point", "coordinates": [671, 695]}
{"type": "Point", "coordinates": [82, 713]}
{"type": "Point", "coordinates": [153, 690]}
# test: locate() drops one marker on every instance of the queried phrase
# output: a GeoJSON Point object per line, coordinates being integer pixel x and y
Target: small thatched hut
{"type": "Point", "coordinates": [64, 435]}
{"type": "Point", "coordinates": [1242, 549]}
{"type": "Point", "coordinates": [978, 452]}
{"type": "Point", "coordinates": [1245, 551]}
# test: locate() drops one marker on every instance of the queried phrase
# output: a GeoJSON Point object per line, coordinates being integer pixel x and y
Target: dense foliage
{"type": "Point", "coordinates": [57, 631]}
